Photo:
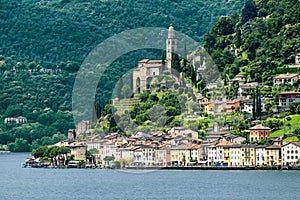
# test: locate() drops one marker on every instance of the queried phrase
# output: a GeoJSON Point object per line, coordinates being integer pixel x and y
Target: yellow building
{"type": "Point", "coordinates": [273, 155]}
{"type": "Point", "coordinates": [78, 149]}
{"type": "Point", "coordinates": [206, 107]}
{"type": "Point", "coordinates": [223, 152]}
{"type": "Point", "coordinates": [235, 154]}
{"type": "Point", "coordinates": [180, 155]}
{"type": "Point", "coordinates": [248, 155]}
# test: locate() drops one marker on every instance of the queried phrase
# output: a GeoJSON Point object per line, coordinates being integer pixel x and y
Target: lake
{"type": "Point", "coordinates": [33, 183]}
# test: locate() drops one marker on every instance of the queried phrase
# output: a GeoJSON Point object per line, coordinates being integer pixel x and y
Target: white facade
{"type": "Point", "coordinates": [96, 144]}
{"type": "Point", "coordinates": [261, 155]}
{"type": "Point", "coordinates": [212, 155]}
{"type": "Point", "coordinates": [290, 153]}
{"type": "Point", "coordinates": [247, 106]}
{"type": "Point", "coordinates": [148, 156]}
{"type": "Point", "coordinates": [161, 156]}
{"type": "Point", "coordinates": [219, 154]}
{"type": "Point", "coordinates": [137, 156]}
{"type": "Point", "coordinates": [195, 154]}
{"type": "Point", "coordinates": [127, 154]}
{"type": "Point", "coordinates": [109, 149]}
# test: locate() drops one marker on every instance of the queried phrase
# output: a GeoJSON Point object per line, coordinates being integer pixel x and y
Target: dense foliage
{"type": "Point", "coordinates": [259, 43]}
{"type": "Point", "coordinates": [44, 42]}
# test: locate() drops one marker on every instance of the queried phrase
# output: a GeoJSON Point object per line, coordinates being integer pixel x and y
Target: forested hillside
{"type": "Point", "coordinates": [259, 43]}
{"type": "Point", "coordinates": [43, 44]}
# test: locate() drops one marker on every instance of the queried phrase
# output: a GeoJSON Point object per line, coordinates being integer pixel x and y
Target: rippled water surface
{"type": "Point", "coordinates": [30, 183]}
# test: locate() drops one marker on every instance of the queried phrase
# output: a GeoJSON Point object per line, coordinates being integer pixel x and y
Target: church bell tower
{"type": "Point", "coordinates": [171, 46]}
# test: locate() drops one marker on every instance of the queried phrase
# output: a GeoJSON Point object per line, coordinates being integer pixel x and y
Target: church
{"type": "Point", "coordinates": [147, 69]}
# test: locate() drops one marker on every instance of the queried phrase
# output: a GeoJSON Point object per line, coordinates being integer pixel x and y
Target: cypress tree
{"type": "Point", "coordinates": [258, 101]}
{"type": "Point", "coordinates": [163, 58]}
{"type": "Point", "coordinates": [175, 62]}
{"type": "Point", "coordinates": [119, 90]}
{"type": "Point", "coordinates": [254, 106]}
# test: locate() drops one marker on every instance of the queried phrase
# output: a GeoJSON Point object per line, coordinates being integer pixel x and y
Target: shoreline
{"type": "Point", "coordinates": [213, 168]}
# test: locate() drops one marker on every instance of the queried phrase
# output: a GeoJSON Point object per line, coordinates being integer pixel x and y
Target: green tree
{"type": "Point", "coordinates": [40, 152]}
{"type": "Point", "coordinates": [249, 11]}
{"type": "Point", "coordinates": [20, 145]}
{"type": "Point", "coordinates": [175, 63]}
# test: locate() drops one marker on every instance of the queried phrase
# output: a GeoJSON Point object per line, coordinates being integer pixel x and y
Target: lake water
{"type": "Point", "coordinates": [30, 183]}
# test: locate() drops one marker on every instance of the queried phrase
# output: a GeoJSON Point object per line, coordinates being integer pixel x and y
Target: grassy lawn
{"type": "Point", "coordinates": [292, 139]}
{"type": "Point", "coordinates": [295, 123]}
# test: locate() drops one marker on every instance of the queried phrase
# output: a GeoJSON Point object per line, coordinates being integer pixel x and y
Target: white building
{"type": "Point", "coordinates": [127, 153]}
{"type": "Point", "coordinates": [290, 153]}
{"type": "Point", "coordinates": [109, 149]}
{"type": "Point", "coordinates": [98, 145]}
{"type": "Point", "coordinates": [285, 78]}
{"type": "Point", "coordinates": [261, 155]}
{"type": "Point", "coordinates": [247, 106]}
{"type": "Point", "coordinates": [17, 120]}
{"type": "Point", "coordinates": [212, 155]}
{"type": "Point", "coordinates": [148, 156]}
{"type": "Point", "coordinates": [138, 156]}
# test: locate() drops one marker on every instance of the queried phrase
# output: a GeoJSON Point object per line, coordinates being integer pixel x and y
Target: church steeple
{"type": "Point", "coordinates": [171, 46]}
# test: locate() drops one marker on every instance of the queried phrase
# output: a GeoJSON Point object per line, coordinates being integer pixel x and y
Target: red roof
{"type": "Point", "coordinates": [259, 127]}
{"type": "Point", "coordinates": [281, 93]}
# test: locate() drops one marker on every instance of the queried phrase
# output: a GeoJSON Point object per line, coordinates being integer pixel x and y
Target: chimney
{"type": "Point", "coordinates": [71, 134]}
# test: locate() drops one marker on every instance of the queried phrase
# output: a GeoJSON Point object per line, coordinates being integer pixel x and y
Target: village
{"type": "Point", "coordinates": [182, 147]}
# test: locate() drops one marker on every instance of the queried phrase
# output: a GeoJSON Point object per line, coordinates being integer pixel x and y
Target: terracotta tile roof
{"type": "Point", "coordinates": [259, 127]}
{"type": "Point", "coordinates": [282, 76]}
{"type": "Point", "coordinates": [281, 93]}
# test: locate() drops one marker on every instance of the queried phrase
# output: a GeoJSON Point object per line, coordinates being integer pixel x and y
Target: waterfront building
{"type": "Point", "coordinates": [180, 155]}
{"type": "Point", "coordinates": [78, 149]}
{"type": "Point", "coordinates": [261, 155]}
{"type": "Point", "coordinates": [148, 155]}
{"type": "Point", "coordinates": [273, 155]}
{"type": "Point", "coordinates": [212, 155]}
{"type": "Point", "coordinates": [235, 155]}
{"type": "Point", "coordinates": [96, 144]}
{"type": "Point", "coordinates": [137, 156]}
{"type": "Point", "coordinates": [248, 155]}
{"type": "Point", "coordinates": [162, 156]}
{"type": "Point", "coordinates": [127, 153]}
{"type": "Point", "coordinates": [109, 149]}
{"type": "Point", "coordinates": [290, 153]}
